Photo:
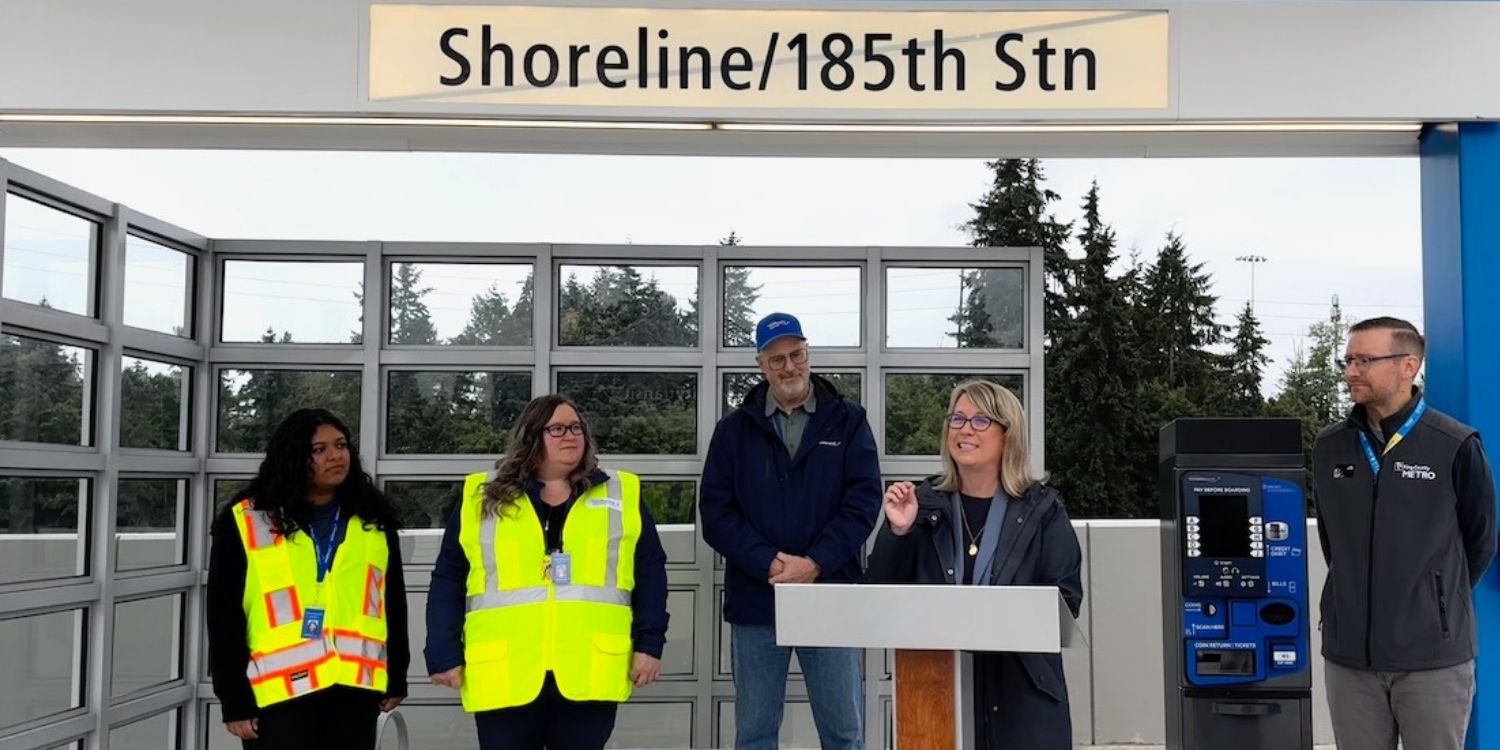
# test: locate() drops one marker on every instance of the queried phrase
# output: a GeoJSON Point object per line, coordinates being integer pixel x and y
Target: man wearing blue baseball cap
{"type": "Point", "coordinates": [791, 490]}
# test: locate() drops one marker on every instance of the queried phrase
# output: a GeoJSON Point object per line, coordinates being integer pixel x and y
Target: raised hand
{"type": "Point", "coordinates": [901, 507]}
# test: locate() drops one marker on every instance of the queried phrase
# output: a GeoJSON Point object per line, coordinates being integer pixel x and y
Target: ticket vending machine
{"type": "Point", "coordinates": [1234, 585]}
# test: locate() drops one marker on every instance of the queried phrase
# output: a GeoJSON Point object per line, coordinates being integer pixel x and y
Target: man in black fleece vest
{"type": "Point", "coordinates": [1406, 518]}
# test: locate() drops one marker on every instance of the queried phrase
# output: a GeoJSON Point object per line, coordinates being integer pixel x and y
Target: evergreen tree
{"type": "Point", "coordinates": [411, 320]}
{"type": "Point", "coordinates": [1247, 366]}
{"type": "Point", "coordinates": [740, 297]}
{"type": "Point", "coordinates": [1095, 440]}
{"type": "Point", "coordinates": [1178, 326]}
{"type": "Point", "coordinates": [150, 408]}
{"type": "Point", "coordinates": [1015, 213]}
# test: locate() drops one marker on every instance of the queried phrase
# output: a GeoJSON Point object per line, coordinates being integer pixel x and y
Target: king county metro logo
{"type": "Point", "coordinates": [1415, 471]}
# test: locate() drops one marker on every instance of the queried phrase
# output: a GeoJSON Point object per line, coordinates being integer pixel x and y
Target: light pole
{"type": "Point", "coordinates": [1253, 260]}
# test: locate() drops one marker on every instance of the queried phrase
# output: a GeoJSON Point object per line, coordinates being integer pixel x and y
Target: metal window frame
{"type": "Point", "coordinates": [207, 356]}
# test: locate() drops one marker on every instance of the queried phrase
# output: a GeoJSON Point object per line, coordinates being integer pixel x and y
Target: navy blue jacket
{"type": "Point", "coordinates": [447, 595]}
{"type": "Point", "coordinates": [1020, 700]}
{"type": "Point", "coordinates": [756, 501]}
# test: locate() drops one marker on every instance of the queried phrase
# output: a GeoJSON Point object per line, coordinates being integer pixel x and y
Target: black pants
{"type": "Point", "coordinates": [339, 718]}
{"type": "Point", "coordinates": [551, 721]}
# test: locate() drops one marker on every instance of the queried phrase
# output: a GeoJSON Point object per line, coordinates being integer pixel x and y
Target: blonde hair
{"type": "Point", "coordinates": [1002, 406]}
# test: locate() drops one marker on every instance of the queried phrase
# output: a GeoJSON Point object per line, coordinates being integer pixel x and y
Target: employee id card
{"type": "Point", "coordinates": [312, 624]}
{"type": "Point", "coordinates": [560, 566]}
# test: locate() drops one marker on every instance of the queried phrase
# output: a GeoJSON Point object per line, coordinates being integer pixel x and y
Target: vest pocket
{"type": "Point", "coordinates": [610, 669]}
{"type": "Point", "coordinates": [487, 671]}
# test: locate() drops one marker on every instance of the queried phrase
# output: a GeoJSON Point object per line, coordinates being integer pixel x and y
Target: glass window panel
{"type": "Point", "coordinates": [964, 308]}
{"type": "Point", "coordinates": [224, 491]}
{"type": "Point", "coordinates": [148, 523]}
{"type": "Point", "coordinates": [253, 402]}
{"type": "Point", "coordinates": [416, 623]}
{"type": "Point", "coordinates": [673, 501]}
{"type": "Point", "coordinates": [797, 728]}
{"type": "Point", "coordinates": [453, 412]}
{"type": "Point", "coordinates": [157, 283]}
{"type": "Point", "coordinates": [461, 304]}
{"type": "Point", "coordinates": [41, 665]}
{"type": "Point", "coordinates": [640, 724]}
{"type": "Point", "coordinates": [49, 256]}
{"type": "Point", "coordinates": [637, 412]}
{"type": "Point", "coordinates": [915, 405]}
{"type": "Point", "coordinates": [157, 732]}
{"type": "Point", "coordinates": [293, 302]}
{"type": "Point", "coordinates": [737, 386]}
{"type": "Point", "coordinates": [628, 305]}
{"type": "Point", "coordinates": [153, 404]}
{"type": "Point", "coordinates": [41, 525]}
{"type": "Point", "coordinates": [147, 643]}
{"type": "Point", "coordinates": [424, 507]}
{"type": "Point", "coordinates": [677, 657]}
{"type": "Point", "coordinates": [826, 300]}
{"type": "Point", "coordinates": [43, 390]}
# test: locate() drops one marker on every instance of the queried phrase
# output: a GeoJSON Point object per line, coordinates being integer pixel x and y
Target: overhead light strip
{"type": "Point", "coordinates": [767, 127]}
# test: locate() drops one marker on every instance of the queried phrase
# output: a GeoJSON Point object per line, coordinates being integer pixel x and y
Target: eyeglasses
{"type": "Point", "coordinates": [979, 422]}
{"type": "Point", "coordinates": [779, 361]}
{"type": "Point", "coordinates": [557, 430]}
{"type": "Point", "coordinates": [1363, 363]}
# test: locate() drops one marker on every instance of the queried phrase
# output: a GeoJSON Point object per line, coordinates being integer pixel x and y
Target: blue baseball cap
{"type": "Point", "coordinates": [775, 326]}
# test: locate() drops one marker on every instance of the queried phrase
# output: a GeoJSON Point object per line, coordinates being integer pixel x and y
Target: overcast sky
{"type": "Point", "coordinates": [1346, 227]}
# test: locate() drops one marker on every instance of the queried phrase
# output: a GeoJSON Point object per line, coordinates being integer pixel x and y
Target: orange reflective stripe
{"type": "Point", "coordinates": [374, 582]}
{"type": "Point", "coordinates": [258, 530]}
{"type": "Point", "coordinates": [282, 606]}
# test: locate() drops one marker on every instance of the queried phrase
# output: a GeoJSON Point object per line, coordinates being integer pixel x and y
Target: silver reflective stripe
{"type": "Point", "coordinates": [616, 530]}
{"type": "Point", "coordinates": [260, 529]}
{"type": "Point", "coordinates": [372, 593]}
{"type": "Point", "coordinates": [363, 648]}
{"type": "Point", "coordinates": [487, 551]}
{"type": "Point", "coordinates": [596, 594]}
{"type": "Point", "coordinates": [532, 595]}
{"type": "Point", "coordinates": [282, 611]}
{"type": "Point", "coordinates": [287, 658]}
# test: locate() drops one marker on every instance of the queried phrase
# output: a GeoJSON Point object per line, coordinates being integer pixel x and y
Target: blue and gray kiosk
{"type": "Point", "coordinates": [1234, 584]}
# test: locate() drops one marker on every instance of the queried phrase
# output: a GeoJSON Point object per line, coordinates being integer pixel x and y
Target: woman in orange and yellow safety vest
{"type": "Point", "coordinates": [306, 601]}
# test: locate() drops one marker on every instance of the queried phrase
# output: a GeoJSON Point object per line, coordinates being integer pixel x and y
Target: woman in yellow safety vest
{"type": "Point", "coordinates": [548, 601]}
{"type": "Point", "coordinates": [306, 601]}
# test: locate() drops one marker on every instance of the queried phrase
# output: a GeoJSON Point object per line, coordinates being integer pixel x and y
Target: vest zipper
{"type": "Point", "coordinates": [1370, 572]}
{"type": "Point", "coordinates": [1442, 600]}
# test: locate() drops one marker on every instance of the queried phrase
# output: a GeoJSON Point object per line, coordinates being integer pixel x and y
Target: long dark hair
{"type": "Point", "coordinates": [280, 486]}
{"type": "Point", "coordinates": [527, 450]}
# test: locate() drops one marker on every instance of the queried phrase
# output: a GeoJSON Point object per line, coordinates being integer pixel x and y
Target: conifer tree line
{"type": "Point", "coordinates": [1129, 346]}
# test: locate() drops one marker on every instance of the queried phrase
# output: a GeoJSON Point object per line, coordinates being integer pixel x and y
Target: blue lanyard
{"type": "Point", "coordinates": [325, 550]}
{"type": "Point", "coordinates": [1411, 421]}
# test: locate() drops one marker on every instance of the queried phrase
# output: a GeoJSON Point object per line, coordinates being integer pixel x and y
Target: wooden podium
{"type": "Point", "coordinates": [931, 628]}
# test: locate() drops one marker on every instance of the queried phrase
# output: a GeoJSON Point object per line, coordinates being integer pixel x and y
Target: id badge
{"type": "Point", "coordinates": [560, 565]}
{"type": "Point", "coordinates": [312, 624]}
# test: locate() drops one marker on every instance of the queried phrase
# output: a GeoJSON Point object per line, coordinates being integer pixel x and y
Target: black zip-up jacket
{"type": "Point", "coordinates": [1021, 700]}
{"type": "Point", "coordinates": [1404, 550]}
{"type": "Point", "coordinates": [228, 634]}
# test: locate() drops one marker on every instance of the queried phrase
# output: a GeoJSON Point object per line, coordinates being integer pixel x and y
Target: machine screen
{"type": "Point", "coordinates": [1225, 526]}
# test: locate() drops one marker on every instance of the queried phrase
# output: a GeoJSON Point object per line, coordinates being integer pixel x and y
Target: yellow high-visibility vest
{"type": "Point", "coordinates": [519, 624]}
{"type": "Point", "coordinates": [281, 583]}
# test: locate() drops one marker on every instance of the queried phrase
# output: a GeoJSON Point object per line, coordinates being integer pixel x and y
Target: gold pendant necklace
{"type": "Point", "coordinates": [973, 540]}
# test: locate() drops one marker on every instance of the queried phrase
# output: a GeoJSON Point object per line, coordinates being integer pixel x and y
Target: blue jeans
{"type": "Point", "coordinates": [834, 681]}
